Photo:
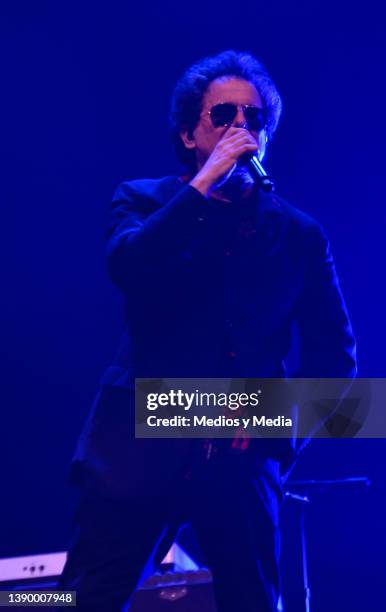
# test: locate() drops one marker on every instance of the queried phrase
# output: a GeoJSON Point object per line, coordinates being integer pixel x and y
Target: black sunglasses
{"type": "Point", "coordinates": [224, 114]}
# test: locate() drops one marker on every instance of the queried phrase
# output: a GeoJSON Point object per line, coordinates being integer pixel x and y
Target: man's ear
{"type": "Point", "coordinates": [187, 138]}
{"type": "Point", "coordinates": [262, 141]}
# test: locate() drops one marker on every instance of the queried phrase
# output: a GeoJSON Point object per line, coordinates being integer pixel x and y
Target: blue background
{"type": "Point", "coordinates": [85, 90]}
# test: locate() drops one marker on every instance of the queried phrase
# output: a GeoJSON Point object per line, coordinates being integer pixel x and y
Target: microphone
{"type": "Point", "coordinates": [256, 170]}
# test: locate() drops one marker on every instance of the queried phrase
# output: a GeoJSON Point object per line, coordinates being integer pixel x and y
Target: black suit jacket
{"type": "Point", "coordinates": [212, 289]}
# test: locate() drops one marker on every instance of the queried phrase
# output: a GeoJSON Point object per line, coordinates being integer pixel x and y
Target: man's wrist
{"type": "Point", "coordinates": [203, 184]}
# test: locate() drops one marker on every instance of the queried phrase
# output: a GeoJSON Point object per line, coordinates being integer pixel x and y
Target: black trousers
{"type": "Point", "coordinates": [225, 504]}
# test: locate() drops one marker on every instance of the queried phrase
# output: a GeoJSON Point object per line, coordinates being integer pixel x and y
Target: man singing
{"type": "Point", "coordinates": [216, 274]}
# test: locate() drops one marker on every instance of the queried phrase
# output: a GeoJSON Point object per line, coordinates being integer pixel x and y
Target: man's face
{"type": "Point", "coordinates": [205, 136]}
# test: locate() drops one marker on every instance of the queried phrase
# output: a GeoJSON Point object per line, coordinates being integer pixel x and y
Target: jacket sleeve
{"type": "Point", "coordinates": [326, 341]}
{"type": "Point", "coordinates": [327, 346]}
{"type": "Point", "coordinates": [143, 236]}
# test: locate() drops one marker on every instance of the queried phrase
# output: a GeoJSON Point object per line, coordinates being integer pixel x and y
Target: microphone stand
{"type": "Point", "coordinates": [304, 500]}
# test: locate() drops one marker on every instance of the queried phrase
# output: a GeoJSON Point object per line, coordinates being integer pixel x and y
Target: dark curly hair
{"type": "Point", "coordinates": [186, 104]}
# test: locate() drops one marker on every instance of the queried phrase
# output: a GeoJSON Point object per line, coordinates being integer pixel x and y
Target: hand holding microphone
{"type": "Point", "coordinates": [237, 144]}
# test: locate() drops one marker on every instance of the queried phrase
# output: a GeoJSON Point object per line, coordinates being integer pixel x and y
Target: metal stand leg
{"type": "Point", "coordinates": [306, 584]}
{"type": "Point", "coordinates": [304, 501]}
